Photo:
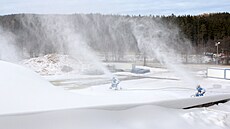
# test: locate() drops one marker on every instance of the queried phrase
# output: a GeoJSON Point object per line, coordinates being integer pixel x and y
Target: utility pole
{"type": "Point", "coordinates": [217, 44]}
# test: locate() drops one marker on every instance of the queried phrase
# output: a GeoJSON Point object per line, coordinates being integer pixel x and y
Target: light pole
{"type": "Point", "coordinates": [217, 47]}
{"type": "Point", "coordinates": [216, 44]}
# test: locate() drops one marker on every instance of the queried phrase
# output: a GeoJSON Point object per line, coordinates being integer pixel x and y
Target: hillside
{"type": "Point", "coordinates": [113, 35]}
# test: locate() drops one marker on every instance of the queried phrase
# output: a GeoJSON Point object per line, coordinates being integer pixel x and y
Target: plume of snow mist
{"type": "Point", "coordinates": [61, 36]}
{"type": "Point", "coordinates": [164, 43]}
{"type": "Point", "coordinates": [8, 51]}
{"type": "Point", "coordinates": [79, 49]}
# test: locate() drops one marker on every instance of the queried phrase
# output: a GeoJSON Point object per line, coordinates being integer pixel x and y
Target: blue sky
{"type": "Point", "coordinates": [123, 7]}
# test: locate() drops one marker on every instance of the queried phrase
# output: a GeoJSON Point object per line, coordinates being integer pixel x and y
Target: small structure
{"type": "Point", "coordinates": [222, 73]}
{"type": "Point", "coordinates": [119, 67]}
{"type": "Point", "coordinates": [139, 70]}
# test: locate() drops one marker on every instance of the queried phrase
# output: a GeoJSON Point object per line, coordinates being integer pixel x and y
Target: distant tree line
{"type": "Point", "coordinates": [43, 34]}
{"type": "Point", "coordinates": [204, 30]}
{"type": "Point", "coordinates": [113, 34]}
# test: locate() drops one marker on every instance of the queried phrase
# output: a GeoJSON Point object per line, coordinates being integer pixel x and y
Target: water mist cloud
{"type": "Point", "coordinates": [164, 43]}
{"type": "Point", "coordinates": [58, 34]}
{"type": "Point", "coordinates": [79, 35]}
{"type": "Point", "coordinates": [8, 50]}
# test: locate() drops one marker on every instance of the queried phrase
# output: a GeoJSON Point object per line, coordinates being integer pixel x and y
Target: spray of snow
{"type": "Point", "coordinates": [8, 51]}
{"type": "Point", "coordinates": [156, 39]}
{"type": "Point", "coordinates": [79, 49]}
{"type": "Point", "coordinates": [61, 34]}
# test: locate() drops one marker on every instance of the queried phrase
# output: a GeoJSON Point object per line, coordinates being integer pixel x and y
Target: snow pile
{"type": "Point", "coordinates": [22, 90]}
{"type": "Point", "coordinates": [208, 116]}
{"type": "Point", "coordinates": [56, 64]}
{"type": "Point", "coordinates": [141, 117]}
{"type": "Point", "coordinates": [26, 93]}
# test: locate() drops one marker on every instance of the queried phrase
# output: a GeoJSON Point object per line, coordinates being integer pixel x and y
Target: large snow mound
{"type": "Point", "coordinates": [57, 64]}
{"type": "Point", "coordinates": [22, 90]}
{"type": "Point", "coordinates": [54, 64]}
{"type": "Point", "coordinates": [142, 117]}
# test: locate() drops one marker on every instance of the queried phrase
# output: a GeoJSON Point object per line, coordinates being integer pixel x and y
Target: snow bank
{"type": "Point", "coordinates": [28, 101]}
{"type": "Point", "coordinates": [142, 117]}
{"type": "Point", "coordinates": [23, 91]}
{"type": "Point", "coordinates": [54, 64]}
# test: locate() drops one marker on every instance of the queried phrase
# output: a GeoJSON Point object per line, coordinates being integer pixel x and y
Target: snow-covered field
{"type": "Point", "coordinates": [75, 101]}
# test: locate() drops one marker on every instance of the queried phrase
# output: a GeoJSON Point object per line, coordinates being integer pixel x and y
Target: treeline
{"type": "Point", "coordinates": [204, 30]}
{"type": "Point", "coordinates": [38, 35]}
{"type": "Point", "coordinates": [43, 34]}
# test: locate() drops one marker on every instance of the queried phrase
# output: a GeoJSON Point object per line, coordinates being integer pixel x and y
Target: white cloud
{"type": "Point", "coordinates": [144, 7]}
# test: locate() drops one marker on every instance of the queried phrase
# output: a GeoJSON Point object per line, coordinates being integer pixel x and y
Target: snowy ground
{"type": "Point", "coordinates": [86, 102]}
